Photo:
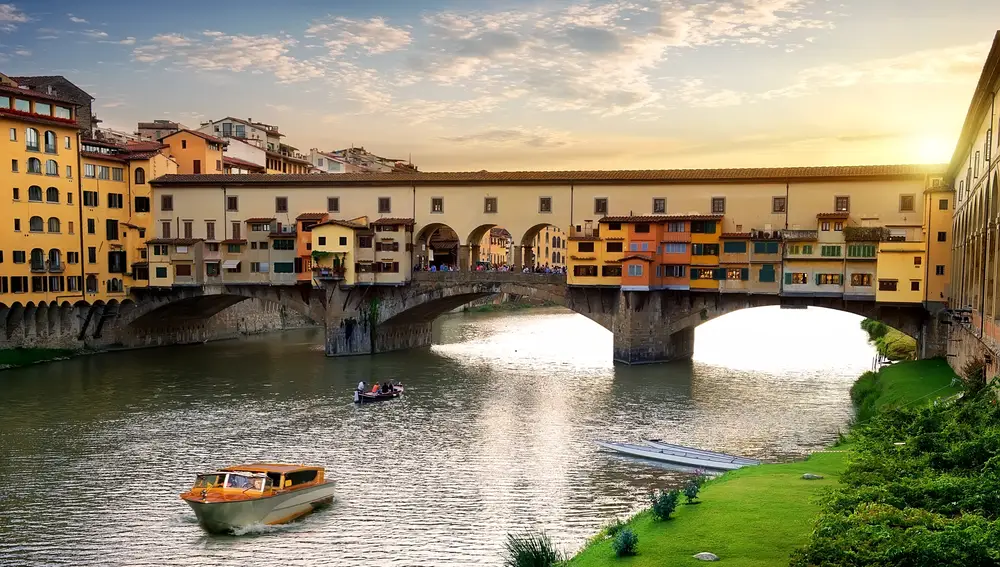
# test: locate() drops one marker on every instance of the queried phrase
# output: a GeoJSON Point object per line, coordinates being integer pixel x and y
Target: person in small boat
{"type": "Point", "coordinates": [375, 389]}
{"type": "Point", "coordinates": [362, 386]}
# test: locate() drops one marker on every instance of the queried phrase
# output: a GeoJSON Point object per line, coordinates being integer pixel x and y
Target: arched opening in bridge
{"type": "Point", "coordinates": [544, 248]}
{"type": "Point", "coordinates": [436, 245]}
{"type": "Point", "coordinates": [491, 248]}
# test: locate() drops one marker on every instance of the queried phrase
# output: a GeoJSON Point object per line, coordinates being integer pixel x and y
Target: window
{"type": "Point", "coordinates": [284, 268]}
{"type": "Point", "coordinates": [842, 204]}
{"type": "Point", "coordinates": [703, 227]}
{"type": "Point", "coordinates": [232, 203]}
{"type": "Point", "coordinates": [53, 223]}
{"type": "Point", "coordinates": [585, 246]}
{"type": "Point", "coordinates": [614, 246]}
{"type": "Point", "coordinates": [943, 205]}
{"type": "Point", "coordinates": [635, 270]}
{"type": "Point", "coordinates": [796, 278]}
{"type": "Point", "coordinates": [196, 164]}
{"type": "Point", "coordinates": [66, 141]}
{"type": "Point", "coordinates": [89, 170]}
{"type": "Point", "coordinates": [283, 244]}
{"type": "Point", "coordinates": [182, 270]}
{"type": "Point", "coordinates": [938, 270]}
{"type": "Point", "coordinates": [829, 279]}
{"type": "Point", "coordinates": [861, 280]}
{"type": "Point", "coordinates": [140, 176]}
{"type": "Point", "coordinates": [942, 236]}
{"type": "Point", "coordinates": [642, 228]}
{"type": "Point", "coordinates": [111, 227]}
{"type": "Point", "coordinates": [22, 105]}
{"type": "Point", "coordinates": [676, 227]}
{"type": "Point", "coordinates": [887, 285]}
{"type": "Point", "coordinates": [718, 205]}
{"type": "Point", "coordinates": [165, 229]}
{"type": "Point", "coordinates": [35, 165]}
{"type": "Point", "coordinates": [90, 199]}
{"type": "Point", "coordinates": [917, 261]}
{"type": "Point", "coordinates": [364, 242]}
{"type": "Point", "coordinates": [906, 203]}
{"type": "Point", "coordinates": [703, 274]}
{"type": "Point", "coordinates": [209, 230]}
{"type": "Point", "coordinates": [166, 202]}
{"type": "Point", "coordinates": [160, 250]}
{"type": "Point", "coordinates": [675, 248]}
{"type": "Point", "coordinates": [659, 205]}
{"type": "Point", "coordinates": [31, 139]}
{"type": "Point", "coordinates": [16, 193]}
{"type": "Point", "coordinates": [70, 229]}
{"type": "Point", "coordinates": [142, 204]}
{"type": "Point", "coordinates": [672, 271]}
{"type": "Point", "coordinates": [914, 286]}
{"type": "Point", "coordinates": [13, 134]}
{"type": "Point", "coordinates": [830, 251]}
{"type": "Point", "coordinates": [260, 227]}
{"type": "Point", "coordinates": [17, 225]}
{"type": "Point", "coordinates": [545, 204]}
{"type": "Point", "coordinates": [824, 226]}
{"type": "Point", "coordinates": [437, 205]}
{"type": "Point", "coordinates": [490, 205]}
{"type": "Point", "coordinates": [734, 247]}
{"type": "Point", "coordinates": [236, 231]}
{"type": "Point", "coordinates": [103, 172]}
{"type": "Point", "coordinates": [861, 251]}
{"type": "Point", "coordinates": [92, 255]}
{"type": "Point", "coordinates": [233, 248]}
{"type": "Point", "coordinates": [705, 249]}
{"type": "Point", "coordinates": [52, 168]}
{"type": "Point", "coordinates": [384, 205]}
{"type": "Point", "coordinates": [188, 229]}
{"type": "Point", "coordinates": [72, 257]}
{"type": "Point", "coordinates": [601, 205]}
{"type": "Point", "coordinates": [778, 204]}
{"type": "Point", "coordinates": [281, 204]}
{"type": "Point", "coordinates": [50, 142]}
{"type": "Point", "coordinates": [43, 108]}
{"type": "Point", "coordinates": [69, 198]}
{"type": "Point", "coordinates": [161, 271]}
{"type": "Point", "coordinates": [19, 256]}
{"type": "Point", "coordinates": [117, 174]}
{"type": "Point", "coordinates": [116, 201]}
{"type": "Point", "coordinates": [322, 241]}
{"type": "Point", "coordinates": [333, 204]}
{"type": "Point", "coordinates": [91, 226]}
{"type": "Point", "coordinates": [738, 274]}
{"type": "Point", "coordinates": [259, 267]}
{"type": "Point", "coordinates": [35, 193]}
{"type": "Point", "coordinates": [765, 247]}
{"type": "Point", "coordinates": [838, 226]}
{"type": "Point", "coordinates": [218, 165]}
{"type": "Point", "coordinates": [343, 241]}
{"type": "Point", "coordinates": [69, 172]}
{"type": "Point", "coordinates": [116, 262]}
{"type": "Point", "coordinates": [589, 271]}
{"type": "Point", "coordinates": [766, 274]}
{"type": "Point", "coordinates": [36, 224]}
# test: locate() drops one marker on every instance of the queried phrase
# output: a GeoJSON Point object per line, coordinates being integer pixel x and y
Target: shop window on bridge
{"type": "Point", "coordinates": [672, 271]}
{"type": "Point", "coordinates": [635, 270]}
{"type": "Point", "coordinates": [284, 244]}
{"type": "Point", "coordinates": [796, 278]}
{"type": "Point", "coordinates": [284, 267]}
{"type": "Point", "coordinates": [829, 279]}
{"type": "Point", "coordinates": [887, 285]}
{"type": "Point", "coordinates": [708, 273]}
{"type": "Point", "coordinates": [765, 247]}
{"type": "Point", "coordinates": [606, 271]}
{"type": "Point", "coordinates": [738, 274]}
{"type": "Point", "coordinates": [585, 246]}
{"type": "Point", "coordinates": [705, 249]}
{"type": "Point", "coordinates": [703, 227]}
{"type": "Point", "coordinates": [767, 274]}
{"type": "Point", "coordinates": [614, 247]}
{"type": "Point", "coordinates": [642, 228]}
{"type": "Point", "coordinates": [387, 267]}
{"type": "Point", "coordinates": [588, 271]}
{"type": "Point", "coordinates": [734, 247]}
{"type": "Point", "coordinates": [861, 280]}
{"type": "Point", "coordinates": [364, 267]}
{"type": "Point", "coordinates": [365, 241]}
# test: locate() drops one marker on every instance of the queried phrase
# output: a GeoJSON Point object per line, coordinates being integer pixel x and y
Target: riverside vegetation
{"type": "Point", "coordinates": [890, 343]}
{"type": "Point", "coordinates": [932, 500]}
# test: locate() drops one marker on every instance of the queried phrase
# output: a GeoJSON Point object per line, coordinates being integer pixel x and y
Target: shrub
{"type": "Point", "coordinates": [613, 527]}
{"type": "Point", "coordinates": [864, 392]}
{"type": "Point", "coordinates": [625, 542]}
{"type": "Point", "coordinates": [973, 375]}
{"type": "Point", "coordinates": [664, 503]}
{"type": "Point", "coordinates": [691, 491]}
{"type": "Point", "coordinates": [530, 550]}
{"type": "Point", "coordinates": [875, 329]}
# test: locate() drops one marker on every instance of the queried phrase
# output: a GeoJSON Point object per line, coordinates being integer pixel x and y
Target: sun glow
{"type": "Point", "coordinates": [934, 149]}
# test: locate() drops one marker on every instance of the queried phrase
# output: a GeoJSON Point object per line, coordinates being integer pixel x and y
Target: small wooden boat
{"type": "Point", "coordinates": [681, 456]}
{"type": "Point", "coordinates": [371, 397]}
{"type": "Point", "coordinates": [261, 493]}
{"type": "Point", "coordinates": [671, 447]}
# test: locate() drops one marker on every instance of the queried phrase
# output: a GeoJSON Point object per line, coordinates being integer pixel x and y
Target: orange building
{"type": "Point", "coordinates": [195, 152]}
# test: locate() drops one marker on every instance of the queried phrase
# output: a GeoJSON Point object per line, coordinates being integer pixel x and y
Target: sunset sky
{"type": "Point", "coordinates": [470, 84]}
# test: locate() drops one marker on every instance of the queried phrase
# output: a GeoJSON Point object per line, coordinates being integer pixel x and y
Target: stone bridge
{"type": "Point", "coordinates": [647, 326]}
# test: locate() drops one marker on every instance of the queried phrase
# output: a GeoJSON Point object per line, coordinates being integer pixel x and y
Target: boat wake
{"type": "Point", "coordinates": [259, 529]}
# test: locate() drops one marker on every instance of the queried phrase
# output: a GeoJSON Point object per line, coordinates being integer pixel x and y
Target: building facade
{"type": "Point", "coordinates": [195, 152]}
{"type": "Point", "coordinates": [549, 248]}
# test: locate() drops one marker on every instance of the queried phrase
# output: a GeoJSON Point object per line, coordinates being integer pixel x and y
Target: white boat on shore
{"type": "Point", "coordinates": [682, 456]}
{"type": "Point", "coordinates": [656, 443]}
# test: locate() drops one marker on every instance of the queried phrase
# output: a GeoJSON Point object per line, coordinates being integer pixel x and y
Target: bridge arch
{"type": "Point", "coordinates": [436, 244]}
{"type": "Point", "coordinates": [544, 244]}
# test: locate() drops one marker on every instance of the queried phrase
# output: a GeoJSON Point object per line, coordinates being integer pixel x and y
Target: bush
{"type": "Point", "coordinates": [691, 491]}
{"type": "Point", "coordinates": [613, 527]}
{"type": "Point", "coordinates": [664, 503]}
{"type": "Point", "coordinates": [973, 375]}
{"type": "Point", "coordinates": [625, 542]}
{"type": "Point", "coordinates": [530, 550]}
{"type": "Point", "coordinates": [875, 329]}
{"type": "Point", "coordinates": [864, 393]}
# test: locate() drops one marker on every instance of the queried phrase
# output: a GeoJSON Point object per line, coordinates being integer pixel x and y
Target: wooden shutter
{"type": "Point", "coordinates": [788, 278]}
{"type": "Point", "coordinates": [744, 274]}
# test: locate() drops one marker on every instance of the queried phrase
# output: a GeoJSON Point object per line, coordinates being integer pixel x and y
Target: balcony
{"type": "Point", "coordinates": [800, 235]}
{"type": "Point", "coordinates": [585, 233]}
{"type": "Point", "coordinates": [865, 234]}
{"type": "Point", "coordinates": [56, 268]}
{"type": "Point", "coordinates": [330, 274]}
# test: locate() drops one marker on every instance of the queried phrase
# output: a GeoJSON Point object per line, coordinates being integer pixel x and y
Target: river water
{"type": "Point", "coordinates": [494, 434]}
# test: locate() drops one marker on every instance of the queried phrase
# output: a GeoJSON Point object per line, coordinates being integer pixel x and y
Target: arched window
{"type": "Point", "coordinates": [50, 142]}
{"type": "Point", "coordinates": [51, 167]}
{"type": "Point", "coordinates": [34, 165]}
{"type": "Point", "coordinates": [36, 224]}
{"type": "Point", "coordinates": [114, 285]}
{"type": "Point", "coordinates": [140, 176]}
{"type": "Point", "coordinates": [91, 283]}
{"type": "Point", "coordinates": [31, 139]}
{"type": "Point", "coordinates": [52, 195]}
{"type": "Point", "coordinates": [37, 259]}
{"type": "Point", "coordinates": [34, 193]}
{"type": "Point", "coordinates": [53, 224]}
{"type": "Point", "coordinates": [55, 259]}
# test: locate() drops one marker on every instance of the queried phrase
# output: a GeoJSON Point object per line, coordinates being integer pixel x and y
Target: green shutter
{"type": "Point", "coordinates": [772, 247]}
{"type": "Point", "coordinates": [788, 278]}
{"type": "Point", "coordinates": [709, 227]}
{"type": "Point", "coordinates": [817, 279]}
{"type": "Point", "coordinates": [695, 272]}
{"type": "Point", "coordinates": [744, 274]}
{"type": "Point", "coordinates": [720, 273]}
{"type": "Point", "coordinates": [759, 247]}
{"type": "Point", "coordinates": [767, 274]}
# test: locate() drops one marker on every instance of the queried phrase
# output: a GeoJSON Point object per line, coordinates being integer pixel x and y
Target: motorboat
{"type": "Point", "coordinates": [377, 395]}
{"type": "Point", "coordinates": [262, 493]}
{"type": "Point", "coordinates": [681, 456]}
{"type": "Point", "coordinates": [656, 443]}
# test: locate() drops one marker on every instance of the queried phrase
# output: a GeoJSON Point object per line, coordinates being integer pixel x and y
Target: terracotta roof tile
{"type": "Point", "coordinates": [282, 234]}
{"type": "Point", "coordinates": [98, 155]}
{"type": "Point", "coordinates": [32, 93]}
{"type": "Point", "coordinates": [312, 216]}
{"type": "Point", "coordinates": [37, 119]}
{"type": "Point", "coordinates": [234, 241]}
{"type": "Point", "coordinates": [175, 241]}
{"type": "Point", "coordinates": [199, 134]}
{"type": "Point", "coordinates": [837, 215]}
{"type": "Point", "coordinates": [261, 219]}
{"type": "Point", "coordinates": [659, 218]}
{"type": "Point", "coordinates": [393, 221]}
{"type": "Point", "coordinates": [742, 235]}
{"type": "Point", "coordinates": [339, 222]}
{"type": "Point", "coordinates": [242, 163]}
{"type": "Point", "coordinates": [637, 257]}
{"type": "Point", "coordinates": [606, 177]}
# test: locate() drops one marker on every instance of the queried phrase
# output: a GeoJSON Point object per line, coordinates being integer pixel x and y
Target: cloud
{"type": "Point", "coordinates": [115, 104]}
{"type": "Point", "coordinates": [372, 36]}
{"type": "Point", "coordinates": [279, 107]}
{"type": "Point", "coordinates": [512, 137]}
{"type": "Point", "coordinates": [23, 52]}
{"type": "Point", "coordinates": [10, 16]}
{"type": "Point", "coordinates": [76, 20]}
{"type": "Point", "coordinates": [216, 51]}
{"type": "Point", "coordinates": [95, 34]}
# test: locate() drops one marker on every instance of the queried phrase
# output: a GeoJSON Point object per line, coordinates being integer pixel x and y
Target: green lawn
{"type": "Point", "coordinates": [758, 515]}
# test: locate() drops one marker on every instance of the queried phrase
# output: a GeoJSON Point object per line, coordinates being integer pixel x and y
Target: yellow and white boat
{"type": "Point", "coordinates": [261, 493]}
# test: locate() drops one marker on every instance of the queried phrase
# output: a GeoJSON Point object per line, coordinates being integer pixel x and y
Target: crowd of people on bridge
{"type": "Point", "coordinates": [489, 267]}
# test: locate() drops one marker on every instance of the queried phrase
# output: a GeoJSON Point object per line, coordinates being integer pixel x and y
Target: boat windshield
{"type": "Point", "coordinates": [246, 481]}
{"type": "Point", "coordinates": [214, 480]}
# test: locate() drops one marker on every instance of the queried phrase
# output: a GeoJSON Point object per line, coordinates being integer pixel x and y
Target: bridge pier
{"type": "Point", "coordinates": [518, 258]}
{"type": "Point", "coordinates": [464, 257]}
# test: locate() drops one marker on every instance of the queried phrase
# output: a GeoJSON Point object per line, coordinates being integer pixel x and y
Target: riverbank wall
{"type": "Point", "coordinates": [760, 515]}
{"type": "Point", "coordinates": [55, 333]}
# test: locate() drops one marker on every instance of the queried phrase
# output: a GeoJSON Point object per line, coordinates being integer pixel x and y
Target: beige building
{"type": "Point", "coordinates": [549, 248]}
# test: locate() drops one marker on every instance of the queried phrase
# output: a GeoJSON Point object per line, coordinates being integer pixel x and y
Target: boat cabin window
{"type": "Point", "coordinates": [244, 482]}
{"type": "Point", "coordinates": [210, 480]}
{"type": "Point", "coordinates": [301, 477]}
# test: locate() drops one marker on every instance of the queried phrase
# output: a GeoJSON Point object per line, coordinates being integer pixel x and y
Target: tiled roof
{"type": "Point", "coordinates": [241, 163]}
{"type": "Point", "coordinates": [735, 235]}
{"type": "Point", "coordinates": [175, 241]}
{"type": "Point", "coordinates": [200, 135]}
{"type": "Point", "coordinates": [500, 232]}
{"type": "Point", "coordinates": [281, 235]}
{"type": "Point", "coordinates": [37, 119]}
{"type": "Point", "coordinates": [32, 93]}
{"type": "Point", "coordinates": [339, 222]}
{"type": "Point", "coordinates": [659, 218]}
{"type": "Point", "coordinates": [637, 257]}
{"type": "Point", "coordinates": [393, 221]}
{"type": "Point", "coordinates": [624, 176]}
{"type": "Point", "coordinates": [234, 241]}
{"type": "Point", "coordinates": [837, 215]}
{"type": "Point", "coordinates": [312, 216]}
{"type": "Point", "coordinates": [584, 238]}
{"type": "Point", "coordinates": [144, 146]}
{"type": "Point", "coordinates": [98, 155]}
{"type": "Point", "coordinates": [261, 219]}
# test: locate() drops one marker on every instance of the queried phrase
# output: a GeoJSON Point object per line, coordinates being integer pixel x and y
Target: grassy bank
{"type": "Point", "coordinates": [13, 358]}
{"type": "Point", "coordinates": [889, 342]}
{"type": "Point", "coordinates": [508, 306]}
{"type": "Point", "coordinates": [760, 516]}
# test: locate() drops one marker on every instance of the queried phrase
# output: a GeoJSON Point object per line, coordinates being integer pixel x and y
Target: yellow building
{"type": "Point", "coordinates": [938, 222]}
{"type": "Point", "coordinates": [705, 233]}
{"type": "Point", "coordinates": [39, 245]}
{"type": "Point", "coordinates": [901, 266]}
{"type": "Point", "coordinates": [335, 250]}
{"type": "Point", "coordinates": [285, 159]}
{"type": "Point", "coordinates": [195, 152]}
{"type": "Point", "coordinates": [549, 247]}
{"type": "Point", "coordinates": [595, 255]}
{"type": "Point", "coordinates": [494, 247]}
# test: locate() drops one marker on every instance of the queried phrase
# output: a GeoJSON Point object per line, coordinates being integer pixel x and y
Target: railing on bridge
{"type": "Point", "coordinates": [489, 277]}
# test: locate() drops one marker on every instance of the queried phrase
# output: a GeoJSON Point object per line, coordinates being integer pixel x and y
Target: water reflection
{"type": "Point", "coordinates": [494, 433]}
